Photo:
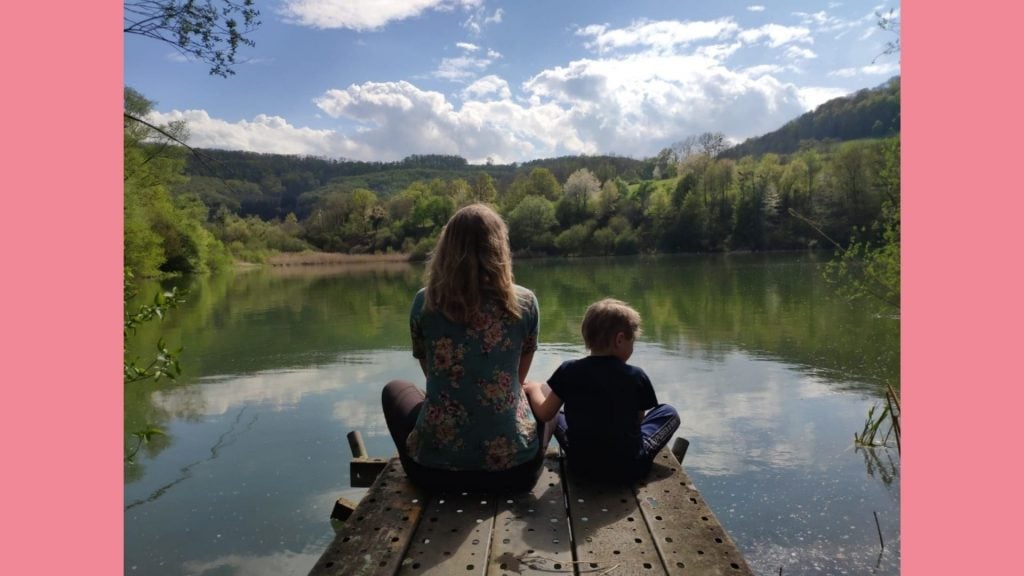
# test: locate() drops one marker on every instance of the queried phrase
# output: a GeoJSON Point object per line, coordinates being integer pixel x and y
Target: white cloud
{"type": "Point", "coordinates": [362, 14]}
{"type": "Point", "coordinates": [814, 96]}
{"type": "Point", "coordinates": [662, 35]}
{"type": "Point", "coordinates": [777, 35]}
{"type": "Point", "coordinates": [478, 19]}
{"type": "Point", "coordinates": [495, 18]}
{"type": "Point", "coordinates": [488, 86]}
{"type": "Point", "coordinates": [656, 83]}
{"type": "Point", "coordinates": [756, 8]}
{"type": "Point", "coordinates": [632, 105]}
{"type": "Point", "coordinates": [399, 119]}
{"type": "Point", "coordinates": [261, 134]}
{"type": "Point", "coordinates": [461, 68]}
{"type": "Point", "coordinates": [796, 52]}
{"type": "Point", "coordinates": [885, 68]}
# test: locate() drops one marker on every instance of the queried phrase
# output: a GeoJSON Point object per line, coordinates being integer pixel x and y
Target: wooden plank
{"type": "Point", "coordinates": [609, 530]}
{"type": "Point", "coordinates": [689, 538]}
{"type": "Point", "coordinates": [531, 530]}
{"type": "Point", "coordinates": [374, 538]}
{"type": "Point", "coordinates": [453, 537]}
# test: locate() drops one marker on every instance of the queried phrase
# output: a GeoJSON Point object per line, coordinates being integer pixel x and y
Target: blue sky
{"type": "Point", "coordinates": [515, 81]}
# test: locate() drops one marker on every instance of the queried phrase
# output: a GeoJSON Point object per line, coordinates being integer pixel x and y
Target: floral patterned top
{"type": "Point", "coordinates": [476, 415]}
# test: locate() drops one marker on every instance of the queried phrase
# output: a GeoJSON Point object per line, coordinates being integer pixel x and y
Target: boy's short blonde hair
{"type": "Point", "coordinates": [606, 318]}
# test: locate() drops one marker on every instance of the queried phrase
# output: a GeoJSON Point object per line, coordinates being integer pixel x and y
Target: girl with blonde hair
{"type": "Point", "coordinates": [474, 332]}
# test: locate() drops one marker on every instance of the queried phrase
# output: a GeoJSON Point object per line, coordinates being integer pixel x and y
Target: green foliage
{"type": "Point", "coordinates": [162, 234]}
{"type": "Point", "coordinates": [165, 361]}
{"type": "Point", "coordinates": [141, 437]}
{"type": "Point", "coordinates": [574, 241]}
{"type": "Point", "coordinates": [871, 268]}
{"type": "Point", "coordinates": [872, 435]}
{"type": "Point", "coordinates": [530, 224]}
{"type": "Point", "coordinates": [207, 30]}
{"type": "Point", "coordinates": [868, 113]}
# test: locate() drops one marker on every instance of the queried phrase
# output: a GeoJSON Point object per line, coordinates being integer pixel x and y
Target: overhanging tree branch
{"type": "Point", "coordinates": [207, 30]}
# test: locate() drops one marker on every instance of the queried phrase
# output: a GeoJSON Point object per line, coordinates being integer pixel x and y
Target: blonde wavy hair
{"type": "Point", "coordinates": [471, 264]}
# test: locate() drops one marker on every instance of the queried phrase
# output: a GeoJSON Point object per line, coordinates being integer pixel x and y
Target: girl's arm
{"type": "Point", "coordinates": [524, 366]}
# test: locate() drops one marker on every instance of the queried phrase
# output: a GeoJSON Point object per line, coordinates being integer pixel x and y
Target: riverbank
{"type": "Point", "coordinates": [331, 259]}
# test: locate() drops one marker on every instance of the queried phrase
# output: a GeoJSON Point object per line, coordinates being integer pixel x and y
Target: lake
{"type": "Point", "coordinates": [772, 373]}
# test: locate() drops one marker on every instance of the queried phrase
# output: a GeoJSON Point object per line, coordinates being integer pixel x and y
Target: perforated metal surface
{"type": "Point", "coordinates": [531, 531]}
{"type": "Point", "coordinates": [662, 526]}
{"type": "Point", "coordinates": [688, 536]}
{"type": "Point", "coordinates": [453, 537]}
{"type": "Point", "coordinates": [609, 530]}
{"type": "Point", "coordinates": [374, 538]}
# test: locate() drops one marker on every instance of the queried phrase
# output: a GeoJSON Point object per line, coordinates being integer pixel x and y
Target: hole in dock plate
{"type": "Point", "coordinates": [503, 566]}
{"type": "Point", "coordinates": [668, 538]}
{"type": "Point", "coordinates": [383, 563]}
{"type": "Point", "coordinates": [554, 541]}
{"type": "Point", "coordinates": [637, 540]}
{"type": "Point", "coordinates": [647, 565]}
{"type": "Point", "coordinates": [441, 501]}
{"type": "Point", "coordinates": [476, 541]}
{"type": "Point", "coordinates": [593, 564]}
{"type": "Point", "coordinates": [719, 540]}
{"type": "Point", "coordinates": [329, 564]}
{"type": "Point", "coordinates": [616, 552]}
{"type": "Point", "coordinates": [657, 517]}
{"type": "Point", "coordinates": [394, 538]}
{"type": "Point", "coordinates": [433, 519]}
{"type": "Point", "coordinates": [426, 540]}
{"type": "Point", "coordinates": [629, 519]}
{"type": "Point", "coordinates": [469, 566]}
{"type": "Point", "coordinates": [416, 566]}
{"type": "Point", "coordinates": [680, 565]}
{"type": "Point", "coordinates": [734, 566]}
{"type": "Point", "coordinates": [506, 541]}
{"type": "Point", "coordinates": [346, 538]}
{"type": "Point", "coordinates": [704, 518]}
{"type": "Point", "coordinates": [700, 552]}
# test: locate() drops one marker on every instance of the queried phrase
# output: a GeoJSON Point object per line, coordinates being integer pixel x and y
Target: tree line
{"type": "Point", "coordinates": [689, 198]}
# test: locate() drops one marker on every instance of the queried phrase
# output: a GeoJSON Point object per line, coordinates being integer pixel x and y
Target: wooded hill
{"type": "Point", "coordinates": [191, 212]}
{"type": "Point", "coordinates": [274, 185]}
{"type": "Point", "coordinates": [868, 113]}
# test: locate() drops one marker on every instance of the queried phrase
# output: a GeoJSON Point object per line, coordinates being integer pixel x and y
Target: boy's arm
{"type": "Point", "coordinates": [544, 402]}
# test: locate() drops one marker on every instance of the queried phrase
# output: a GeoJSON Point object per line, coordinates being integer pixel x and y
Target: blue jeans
{"type": "Point", "coordinates": [656, 429]}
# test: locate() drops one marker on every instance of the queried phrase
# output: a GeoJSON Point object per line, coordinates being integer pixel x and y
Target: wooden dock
{"type": "Point", "coordinates": [565, 525]}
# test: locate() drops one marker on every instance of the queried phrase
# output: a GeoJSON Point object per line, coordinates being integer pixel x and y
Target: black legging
{"type": "Point", "coordinates": [402, 400]}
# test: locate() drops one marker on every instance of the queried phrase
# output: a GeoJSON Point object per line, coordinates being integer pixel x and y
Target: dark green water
{"type": "Point", "coordinates": [772, 374]}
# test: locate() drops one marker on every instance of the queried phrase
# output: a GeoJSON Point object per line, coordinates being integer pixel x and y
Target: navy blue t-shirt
{"type": "Point", "coordinates": [604, 398]}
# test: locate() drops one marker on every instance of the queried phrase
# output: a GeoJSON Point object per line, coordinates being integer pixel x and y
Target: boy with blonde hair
{"type": "Point", "coordinates": [613, 425]}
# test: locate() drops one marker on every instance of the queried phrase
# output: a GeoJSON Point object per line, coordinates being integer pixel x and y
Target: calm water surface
{"type": "Point", "coordinates": [772, 374]}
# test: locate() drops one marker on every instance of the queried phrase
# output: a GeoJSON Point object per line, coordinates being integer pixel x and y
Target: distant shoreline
{"type": "Point", "coordinates": [331, 259]}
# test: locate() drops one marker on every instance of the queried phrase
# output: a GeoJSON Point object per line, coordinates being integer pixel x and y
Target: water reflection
{"type": "Point", "coordinates": [770, 372]}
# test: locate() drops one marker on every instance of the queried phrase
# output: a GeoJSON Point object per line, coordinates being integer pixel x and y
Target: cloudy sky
{"type": "Point", "coordinates": [514, 81]}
